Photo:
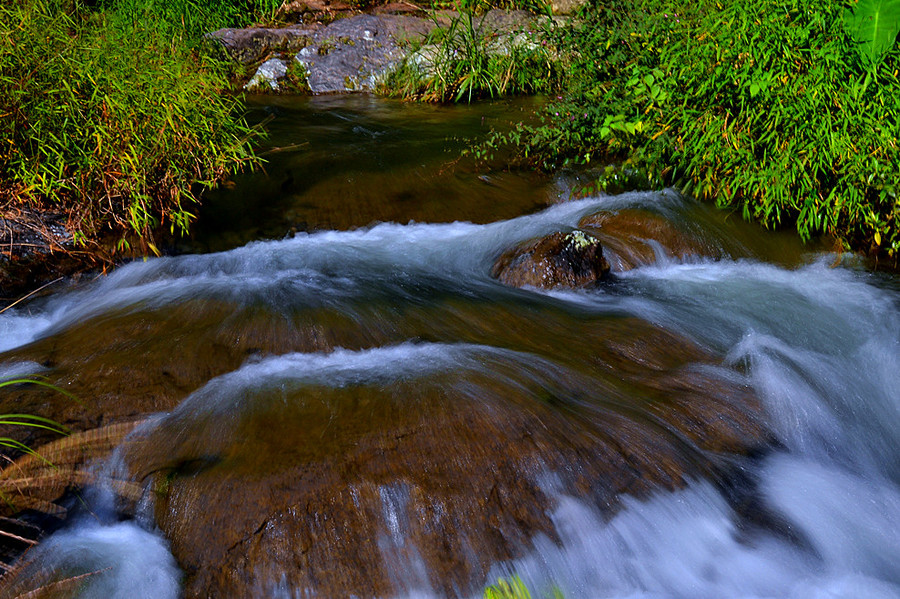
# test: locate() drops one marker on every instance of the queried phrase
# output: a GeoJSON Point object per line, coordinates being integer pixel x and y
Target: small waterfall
{"type": "Point", "coordinates": [367, 411]}
{"type": "Point", "coordinates": [821, 347]}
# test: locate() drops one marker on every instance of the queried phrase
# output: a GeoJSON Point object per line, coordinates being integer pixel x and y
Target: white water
{"type": "Point", "coordinates": [324, 268]}
{"type": "Point", "coordinates": [123, 561]}
{"type": "Point", "coordinates": [822, 349]}
{"type": "Point", "coordinates": [820, 346]}
{"type": "Point", "coordinates": [687, 544]}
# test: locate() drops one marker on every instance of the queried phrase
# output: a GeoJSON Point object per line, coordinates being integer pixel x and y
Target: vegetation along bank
{"type": "Point", "coordinates": [786, 110]}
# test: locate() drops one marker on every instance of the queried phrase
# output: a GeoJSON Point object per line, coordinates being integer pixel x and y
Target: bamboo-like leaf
{"type": "Point", "coordinates": [33, 380]}
{"type": "Point", "coordinates": [873, 25]}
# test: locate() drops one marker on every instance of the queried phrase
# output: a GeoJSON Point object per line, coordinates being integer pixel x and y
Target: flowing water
{"type": "Point", "coordinates": [341, 380]}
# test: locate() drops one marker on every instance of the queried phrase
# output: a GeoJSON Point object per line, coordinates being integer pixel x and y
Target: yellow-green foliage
{"type": "Point", "coordinates": [511, 588]}
{"type": "Point", "coordinates": [112, 120]}
{"type": "Point", "coordinates": [772, 107]}
{"type": "Point", "coordinates": [514, 588]}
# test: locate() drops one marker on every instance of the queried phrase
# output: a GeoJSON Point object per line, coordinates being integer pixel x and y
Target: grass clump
{"type": "Point", "coordinates": [469, 59]}
{"type": "Point", "coordinates": [190, 20]}
{"type": "Point", "coordinates": [511, 588]}
{"type": "Point", "coordinates": [111, 117]}
{"type": "Point", "coordinates": [777, 108]}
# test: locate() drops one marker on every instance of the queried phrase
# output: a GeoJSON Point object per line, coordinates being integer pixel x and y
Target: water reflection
{"type": "Point", "coordinates": [346, 162]}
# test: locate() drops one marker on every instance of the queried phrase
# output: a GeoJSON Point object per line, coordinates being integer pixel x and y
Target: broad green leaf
{"type": "Point", "coordinates": [873, 25]}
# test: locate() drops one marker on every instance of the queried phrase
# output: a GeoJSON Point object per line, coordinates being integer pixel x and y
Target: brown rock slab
{"type": "Point", "coordinates": [377, 490]}
{"type": "Point", "coordinates": [632, 237]}
{"type": "Point", "coordinates": [373, 488]}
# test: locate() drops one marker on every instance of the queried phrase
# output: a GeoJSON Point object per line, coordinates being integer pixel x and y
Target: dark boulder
{"type": "Point", "coordinates": [560, 260]}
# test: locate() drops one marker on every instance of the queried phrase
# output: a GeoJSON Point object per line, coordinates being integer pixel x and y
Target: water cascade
{"type": "Point", "coordinates": [367, 412]}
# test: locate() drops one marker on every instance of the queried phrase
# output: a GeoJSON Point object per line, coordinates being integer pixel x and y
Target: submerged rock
{"type": "Point", "coordinates": [560, 260]}
{"type": "Point", "coordinates": [354, 481]}
{"type": "Point", "coordinates": [634, 237]}
{"type": "Point", "coordinates": [381, 489]}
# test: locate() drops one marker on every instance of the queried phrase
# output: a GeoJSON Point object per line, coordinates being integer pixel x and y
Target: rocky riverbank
{"type": "Point", "coordinates": [355, 52]}
{"type": "Point", "coordinates": [36, 250]}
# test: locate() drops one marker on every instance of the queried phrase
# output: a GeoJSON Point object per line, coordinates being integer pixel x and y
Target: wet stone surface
{"type": "Point", "coordinates": [558, 261]}
{"type": "Point", "coordinates": [635, 237]}
{"type": "Point", "coordinates": [337, 488]}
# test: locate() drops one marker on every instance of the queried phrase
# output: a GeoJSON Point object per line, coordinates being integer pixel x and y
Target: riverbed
{"type": "Point", "coordinates": [335, 397]}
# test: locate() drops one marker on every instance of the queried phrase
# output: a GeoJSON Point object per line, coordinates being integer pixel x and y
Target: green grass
{"type": "Point", "coordinates": [514, 588]}
{"type": "Point", "coordinates": [468, 60]}
{"type": "Point", "coordinates": [191, 19]}
{"type": "Point", "coordinates": [113, 116]}
{"type": "Point", "coordinates": [30, 420]}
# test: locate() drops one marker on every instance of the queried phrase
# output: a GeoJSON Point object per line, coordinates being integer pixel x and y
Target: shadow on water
{"type": "Point", "coordinates": [338, 162]}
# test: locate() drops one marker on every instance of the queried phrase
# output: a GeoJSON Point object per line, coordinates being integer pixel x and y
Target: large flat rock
{"type": "Point", "coordinates": [351, 53]}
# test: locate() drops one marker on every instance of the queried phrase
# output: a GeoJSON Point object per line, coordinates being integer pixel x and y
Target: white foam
{"type": "Point", "coordinates": [15, 370]}
{"type": "Point", "coordinates": [319, 268]}
{"type": "Point", "coordinates": [687, 545]}
{"type": "Point", "coordinates": [827, 309]}
{"type": "Point", "coordinates": [17, 329]}
{"type": "Point", "coordinates": [229, 393]}
{"type": "Point", "coordinates": [130, 562]}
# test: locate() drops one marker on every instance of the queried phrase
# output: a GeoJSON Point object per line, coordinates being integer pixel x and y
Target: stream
{"type": "Point", "coordinates": [335, 397]}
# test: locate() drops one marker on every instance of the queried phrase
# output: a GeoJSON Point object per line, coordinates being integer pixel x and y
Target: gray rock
{"type": "Point", "coordinates": [251, 45]}
{"type": "Point", "coordinates": [506, 22]}
{"type": "Point", "coordinates": [267, 76]}
{"type": "Point", "coordinates": [351, 54]}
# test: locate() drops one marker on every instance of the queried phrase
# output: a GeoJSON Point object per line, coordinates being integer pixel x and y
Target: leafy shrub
{"type": "Point", "coordinates": [112, 120]}
{"type": "Point", "coordinates": [767, 106]}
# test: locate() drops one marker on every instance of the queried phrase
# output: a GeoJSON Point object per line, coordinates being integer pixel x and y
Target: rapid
{"type": "Point", "coordinates": [372, 414]}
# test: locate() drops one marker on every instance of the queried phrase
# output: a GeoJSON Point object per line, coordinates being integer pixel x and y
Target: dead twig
{"type": "Point", "coordinates": [22, 299]}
